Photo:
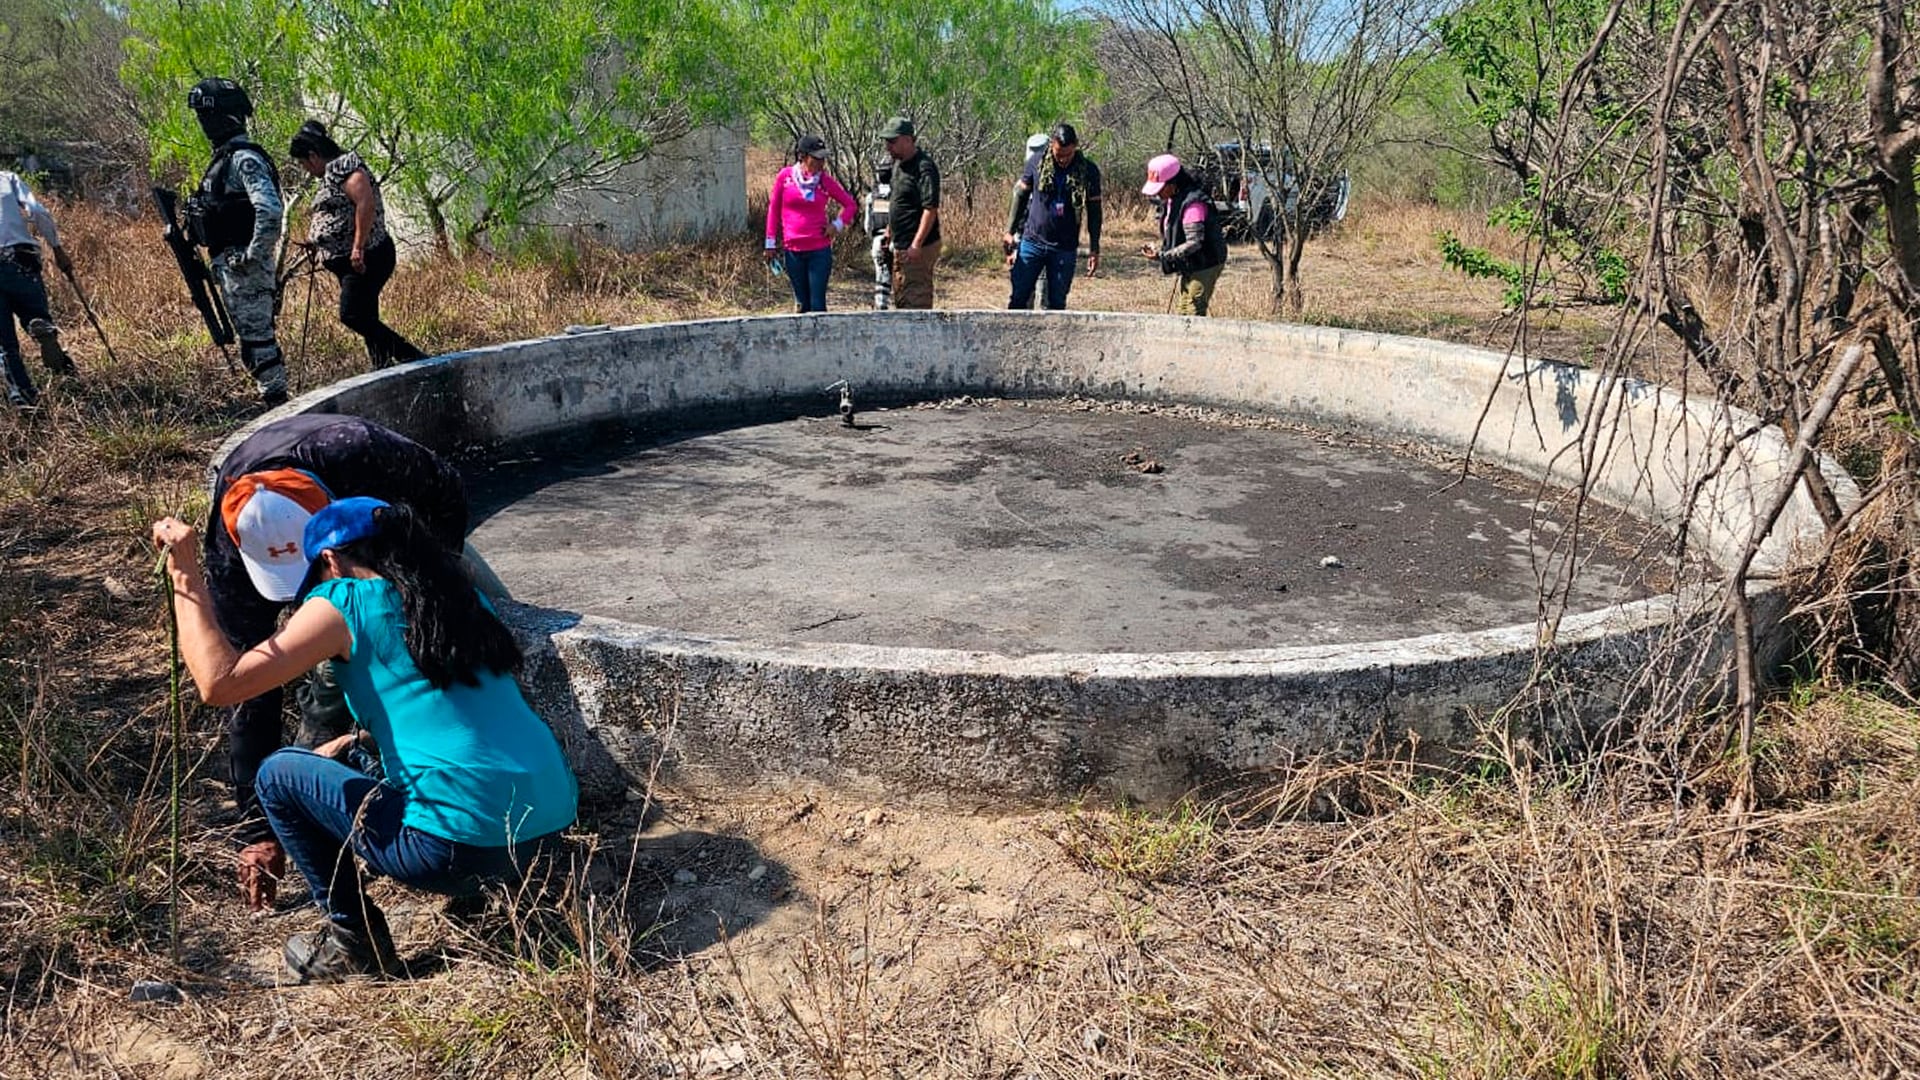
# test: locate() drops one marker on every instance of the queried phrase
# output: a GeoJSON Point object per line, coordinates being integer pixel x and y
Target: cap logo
{"type": "Point", "coordinates": [289, 550]}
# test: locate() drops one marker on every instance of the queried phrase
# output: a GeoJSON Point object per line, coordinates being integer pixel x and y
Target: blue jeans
{"type": "Point", "coordinates": [23, 297]}
{"type": "Point", "coordinates": [320, 808]}
{"type": "Point", "coordinates": [808, 271]}
{"type": "Point", "coordinates": [1029, 263]}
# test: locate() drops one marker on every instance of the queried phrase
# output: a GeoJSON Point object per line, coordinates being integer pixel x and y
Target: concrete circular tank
{"type": "Point", "coordinates": [1026, 723]}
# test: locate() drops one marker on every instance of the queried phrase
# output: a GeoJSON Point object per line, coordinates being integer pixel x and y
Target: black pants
{"type": "Point", "coordinates": [23, 298]}
{"type": "Point", "coordinates": [360, 306]}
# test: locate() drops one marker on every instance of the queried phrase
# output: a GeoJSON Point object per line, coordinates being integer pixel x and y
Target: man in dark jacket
{"type": "Point", "coordinates": [1192, 243]}
{"type": "Point", "coordinates": [263, 494]}
{"type": "Point", "coordinates": [1058, 189]}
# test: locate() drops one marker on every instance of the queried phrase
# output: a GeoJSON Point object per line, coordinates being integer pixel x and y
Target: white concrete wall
{"type": "Point", "coordinates": [689, 187]}
{"type": "Point", "coordinates": [975, 727]}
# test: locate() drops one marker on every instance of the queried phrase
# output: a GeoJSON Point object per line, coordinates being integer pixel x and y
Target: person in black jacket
{"type": "Point", "coordinates": [263, 495]}
{"type": "Point", "coordinates": [235, 215]}
{"type": "Point", "coordinates": [1058, 190]}
{"type": "Point", "coordinates": [1192, 243]}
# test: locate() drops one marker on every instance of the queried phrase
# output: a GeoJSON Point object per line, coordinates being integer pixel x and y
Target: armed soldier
{"type": "Point", "coordinates": [23, 294]}
{"type": "Point", "coordinates": [236, 216]}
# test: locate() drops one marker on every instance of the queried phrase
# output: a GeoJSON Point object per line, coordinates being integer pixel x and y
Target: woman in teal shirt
{"type": "Point", "coordinates": [475, 783]}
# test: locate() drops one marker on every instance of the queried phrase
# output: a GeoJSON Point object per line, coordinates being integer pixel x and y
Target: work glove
{"type": "Point", "coordinates": [261, 867]}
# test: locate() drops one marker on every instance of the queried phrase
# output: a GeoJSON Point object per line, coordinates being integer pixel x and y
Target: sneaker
{"type": "Point", "coordinates": [336, 952]}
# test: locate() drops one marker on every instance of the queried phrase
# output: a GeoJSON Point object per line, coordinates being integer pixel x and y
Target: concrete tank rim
{"type": "Point", "coordinates": [1439, 648]}
{"type": "Point", "coordinates": [1573, 628]}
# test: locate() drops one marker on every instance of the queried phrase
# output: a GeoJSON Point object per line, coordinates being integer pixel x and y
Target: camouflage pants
{"type": "Point", "coordinates": [248, 289]}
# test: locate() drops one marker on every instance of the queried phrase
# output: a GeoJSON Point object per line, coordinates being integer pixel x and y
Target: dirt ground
{"type": "Point", "coordinates": [1509, 920]}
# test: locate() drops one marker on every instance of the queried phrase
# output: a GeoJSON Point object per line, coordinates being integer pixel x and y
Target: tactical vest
{"type": "Point", "coordinates": [220, 215]}
{"type": "Point", "coordinates": [1173, 233]}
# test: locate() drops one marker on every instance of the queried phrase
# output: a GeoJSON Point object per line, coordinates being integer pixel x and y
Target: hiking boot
{"type": "Point", "coordinates": [336, 952]}
{"type": "Point", "coordinates": [273, 384]}
{"type": "Point", "coordinates": [51, 354]}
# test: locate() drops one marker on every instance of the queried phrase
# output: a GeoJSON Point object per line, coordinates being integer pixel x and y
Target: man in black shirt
{"type": "Point", "coordinates": [262, 495]}
{"type": "Point", "coordinates": [914, 215]}
{"type": "Point", "coordinates": [1057, 190]}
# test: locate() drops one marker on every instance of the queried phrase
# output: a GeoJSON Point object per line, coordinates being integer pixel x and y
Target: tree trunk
{"type": "Point", "coordinates": [1296, 247]}
{"type": "Point", "coordinates": [437, 221]}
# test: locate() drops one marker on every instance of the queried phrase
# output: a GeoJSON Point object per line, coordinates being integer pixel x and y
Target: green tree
{"type": "Point", "coordinates": [479, 110]}
{"type": "Point", "coordinates": [265, 45]}
{"type": "Point", "coordinates": [976, 76]}
{"type": "Point", "coordinates": [1535, 92]}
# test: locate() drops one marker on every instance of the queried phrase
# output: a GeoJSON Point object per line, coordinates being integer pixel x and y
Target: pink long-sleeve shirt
{"type": "Point", "coordinates": [799, 224]}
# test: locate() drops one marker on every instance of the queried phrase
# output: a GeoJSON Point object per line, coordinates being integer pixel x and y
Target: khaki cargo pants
{"type": "Point", "coordinates": [913, 281]}
{"type": "Point", "coordinates": [1196, 289]}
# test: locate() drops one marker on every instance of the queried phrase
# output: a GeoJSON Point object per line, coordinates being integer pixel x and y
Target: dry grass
{"type": "Point", "coordinates": [1523, 920]}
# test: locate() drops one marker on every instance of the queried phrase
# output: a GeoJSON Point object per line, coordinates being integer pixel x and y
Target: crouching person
{"type": "Point", "coordinates": [475, 783]}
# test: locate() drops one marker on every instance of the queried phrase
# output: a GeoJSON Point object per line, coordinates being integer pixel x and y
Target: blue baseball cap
{"type": "Point", "coordinates": [340, 522]}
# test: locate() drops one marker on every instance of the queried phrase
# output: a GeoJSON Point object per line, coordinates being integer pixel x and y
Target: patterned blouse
{"type": "Point", "coordinates": [331, 225]}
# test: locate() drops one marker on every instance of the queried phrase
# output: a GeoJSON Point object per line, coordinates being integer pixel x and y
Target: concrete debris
{"type": "Point", "coordinates": [1332, 562]}
{"type": "Point", "coordinates": [154, 990]}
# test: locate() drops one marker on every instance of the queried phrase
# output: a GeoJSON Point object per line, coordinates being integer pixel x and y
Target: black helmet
{"type": "Point", "coordinates": [221, 96]}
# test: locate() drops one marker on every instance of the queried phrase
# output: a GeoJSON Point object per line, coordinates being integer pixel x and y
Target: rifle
{"type": "Point", "coordinates": [200, 284]}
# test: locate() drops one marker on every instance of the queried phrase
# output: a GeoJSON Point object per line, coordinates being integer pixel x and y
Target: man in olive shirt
{"type": "Point", "coordinates": [914, 216]}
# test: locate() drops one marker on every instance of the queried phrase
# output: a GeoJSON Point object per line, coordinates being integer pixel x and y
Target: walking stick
{"type": "Point", "coordinates": [88, 308]}
{"type": "Point", "coordinates": [177, 717]}
{"type": "Point", "coordinates": [306, 317]}
{"type": "Point", "coordinates": [307, 263]}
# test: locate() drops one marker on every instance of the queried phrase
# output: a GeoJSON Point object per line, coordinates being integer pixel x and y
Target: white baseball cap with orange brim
{"type": "Point", "coordinates": [265, 513]}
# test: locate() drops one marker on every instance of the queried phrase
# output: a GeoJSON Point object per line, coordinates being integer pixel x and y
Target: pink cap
{"type": "Point", "coordinates": [1159, 171]}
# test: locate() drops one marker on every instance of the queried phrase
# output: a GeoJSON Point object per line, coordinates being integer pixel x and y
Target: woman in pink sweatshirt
{"type": "Point", "coordinates": [801, 223]}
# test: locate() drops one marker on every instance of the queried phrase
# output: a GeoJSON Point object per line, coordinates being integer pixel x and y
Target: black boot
{"type": "Point", "coordinates": [51, 354]}
{"type": "Point", "coordinates": [337, 951]}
